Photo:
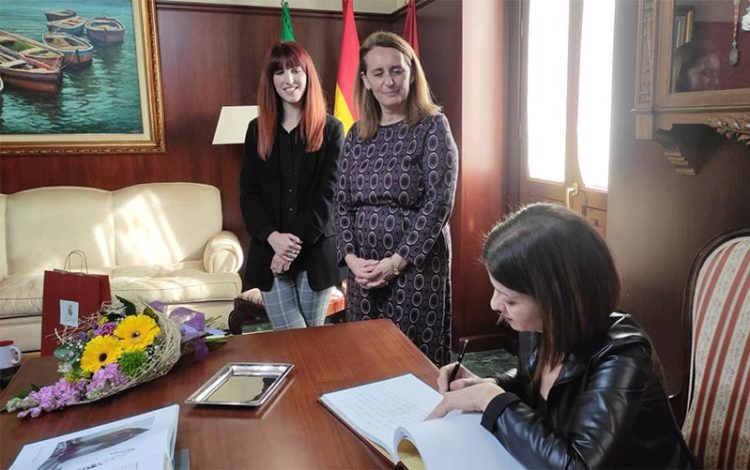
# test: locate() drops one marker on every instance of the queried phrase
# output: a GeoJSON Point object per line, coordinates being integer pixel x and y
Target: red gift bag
{"type": "Point", "coordinates": [68, 297]}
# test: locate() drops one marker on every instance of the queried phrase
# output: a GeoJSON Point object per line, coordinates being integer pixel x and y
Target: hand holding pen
{"type": "Point", "coordinates": [455, 369]}
{"type": "Point", "coordinates": [463, 390]}
{"type": "Point", "coordinates": [455, 372]}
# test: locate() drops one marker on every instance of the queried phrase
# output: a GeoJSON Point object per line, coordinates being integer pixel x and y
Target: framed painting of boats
{"type": "Point", "coordinates": [80, 77]}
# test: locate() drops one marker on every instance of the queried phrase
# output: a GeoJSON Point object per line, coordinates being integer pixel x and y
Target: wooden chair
{"type": "Point", "coordinates": [249, 309]}
{"type": "Point", "coordinates": [715, 395]}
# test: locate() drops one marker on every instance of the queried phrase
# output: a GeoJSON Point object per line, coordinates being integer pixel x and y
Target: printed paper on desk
{"type": "Point", "coordinates": [143, 441]}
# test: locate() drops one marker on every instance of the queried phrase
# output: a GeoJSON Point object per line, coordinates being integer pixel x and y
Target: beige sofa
{"type": "Point", "coordinates": [156, 241]}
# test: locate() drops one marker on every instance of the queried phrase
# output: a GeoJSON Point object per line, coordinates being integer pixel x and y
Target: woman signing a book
{"type": "Point", "coordinates": [287, 183]}
{"type": "Point", "coordinates": [588, 391]}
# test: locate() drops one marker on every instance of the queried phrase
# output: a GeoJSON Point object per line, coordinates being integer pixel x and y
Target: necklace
{"type": "Point", "coordinates": [734, 53]}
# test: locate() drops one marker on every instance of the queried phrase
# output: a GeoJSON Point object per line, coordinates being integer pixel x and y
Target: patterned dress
{"type": "Point", "coordinates": [395, 195]}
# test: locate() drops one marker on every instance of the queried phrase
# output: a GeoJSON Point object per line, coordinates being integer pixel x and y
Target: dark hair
{"type": "Point", "coordinates": [419, 102]}
{"type": "Point", "coordinates": [313, 120]}
{"type": "Point", "coordinates": [555, 256]}
{"type": "Point", "coordinates": [685, 58]}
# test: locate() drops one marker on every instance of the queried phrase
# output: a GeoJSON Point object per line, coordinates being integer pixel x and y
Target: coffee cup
{"type": "Point", "coordinates": [9, 354]}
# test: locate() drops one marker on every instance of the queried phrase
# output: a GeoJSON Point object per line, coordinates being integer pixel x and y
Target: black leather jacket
{"type": "Point", "coordinates": [606, 410]}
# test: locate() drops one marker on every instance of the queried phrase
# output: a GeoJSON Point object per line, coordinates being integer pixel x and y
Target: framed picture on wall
{"type": "Point", "coordinates": [80, 77]}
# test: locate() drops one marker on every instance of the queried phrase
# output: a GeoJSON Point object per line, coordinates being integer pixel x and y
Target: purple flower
{"type": "Point", "coordinates": [105, 329]}
{"type": "Point", "coordinates": [105, 380]}
{"type": "Point", "coordinates": [53, 397]}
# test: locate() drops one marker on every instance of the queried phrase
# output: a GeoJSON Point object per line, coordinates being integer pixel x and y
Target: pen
{"type": "Point", "coordinates": [452, 377]}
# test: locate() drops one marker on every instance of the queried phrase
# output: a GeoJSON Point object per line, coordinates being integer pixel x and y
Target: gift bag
{"type": "Point", "coordinates": [68, 296]}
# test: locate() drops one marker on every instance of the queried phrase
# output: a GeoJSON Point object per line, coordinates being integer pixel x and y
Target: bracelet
{"type": "Point", "coordinates": [395, 270]}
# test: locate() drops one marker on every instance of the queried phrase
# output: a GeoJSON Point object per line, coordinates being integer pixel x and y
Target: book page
{"type": "Point", "coordinates": [123, 444]}
{"type": "Point", "coordinates": [456, 441]}
{"type": "Point", "coordinates": [377, 409]}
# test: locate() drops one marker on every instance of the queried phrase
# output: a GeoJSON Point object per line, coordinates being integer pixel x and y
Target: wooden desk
{"type": "Point", "coordinates": [292, 430]}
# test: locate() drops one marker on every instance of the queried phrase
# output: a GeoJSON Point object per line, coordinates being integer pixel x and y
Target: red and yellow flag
{"type": "Point", "coordinates": [410, 26]}
{"type": "Point", "coordinates": [343, 107]}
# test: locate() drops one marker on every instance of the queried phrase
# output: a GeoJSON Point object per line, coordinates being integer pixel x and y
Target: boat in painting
{"type": "Point", "coordinates": [53, 15]}
{"type": "Point", "coordinates": [105, 31]}
{"type": "Point", "coordinates": [77, 52]}
{"type": "Point", "coordinates": [72, 25]}
{"type": "Point", "coordinates": [31, 49]}
{"type": "Point", "coordinates": [29, 74]}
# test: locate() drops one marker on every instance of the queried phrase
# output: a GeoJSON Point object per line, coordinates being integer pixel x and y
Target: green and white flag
{"type": "Point", "coordinates": [287, 31]}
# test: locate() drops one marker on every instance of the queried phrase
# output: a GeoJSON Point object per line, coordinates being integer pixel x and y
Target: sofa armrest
{"type": "Point", "coordinates": [223, 253]}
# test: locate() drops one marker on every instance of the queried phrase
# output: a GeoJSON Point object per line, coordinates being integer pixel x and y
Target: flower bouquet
{"type": "Point", "coordinates": [116, 348]}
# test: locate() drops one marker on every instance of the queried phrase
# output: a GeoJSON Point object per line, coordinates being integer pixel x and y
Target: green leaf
{"type": "Point", "coordinates": [68, 352]}
{"type": "Point", "coordinates": [131, 362]}
{"type": "Point", "coordinates": [147, 310]}
{"type": "Point", "coordinates": [25, 392]}
{"type": "Point", "coordinates": [129, 306]}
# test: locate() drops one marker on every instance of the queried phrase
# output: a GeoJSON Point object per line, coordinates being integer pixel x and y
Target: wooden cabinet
{"type": "Point", "coordinates": [674, 36]}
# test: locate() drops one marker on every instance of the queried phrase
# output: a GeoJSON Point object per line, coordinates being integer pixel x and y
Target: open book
{"type": "Point", "coordinates": [390, 415]}
{"type": "Point", "coordinates": [144, 441]}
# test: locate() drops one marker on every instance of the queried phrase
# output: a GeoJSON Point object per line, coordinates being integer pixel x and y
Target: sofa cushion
{"type": "Point", "coordinates": [181, 282]}
{"type": "Point", "coordinates": [21, 295]}
{"type": "Point", "coordinates": [61, 219]}
{"type": "Point", "coordinates": [164, 223]}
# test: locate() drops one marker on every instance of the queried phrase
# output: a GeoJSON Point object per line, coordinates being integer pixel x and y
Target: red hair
{"type": "Point", "coordinates": [287, 55]}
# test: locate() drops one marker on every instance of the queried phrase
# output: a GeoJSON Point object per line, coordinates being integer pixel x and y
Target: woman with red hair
{"type": "Point", "coordinates": [286, 190]}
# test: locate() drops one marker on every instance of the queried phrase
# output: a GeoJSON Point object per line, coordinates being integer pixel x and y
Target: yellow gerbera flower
{"type": "Point", "coordinates": [136, 332]}
{"type": "Point", "coordinates": [100, 351]}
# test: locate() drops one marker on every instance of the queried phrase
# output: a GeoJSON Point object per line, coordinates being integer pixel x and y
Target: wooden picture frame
{"type": "Point", "coordinates": [132, 123]}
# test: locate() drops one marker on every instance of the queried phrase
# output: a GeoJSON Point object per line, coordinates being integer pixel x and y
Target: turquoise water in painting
{"type": "Point", "coordinates": [99, 99]}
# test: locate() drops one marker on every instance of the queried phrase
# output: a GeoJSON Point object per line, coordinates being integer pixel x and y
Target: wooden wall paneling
{"type": "Point", "coordinates": [205, 70]}
{"type": "Point", "coordinates": [442, 61]}
{"type": "Point", "coordinates": [483, 183]}
{"type": "Point", "coordinates": [657, 219]}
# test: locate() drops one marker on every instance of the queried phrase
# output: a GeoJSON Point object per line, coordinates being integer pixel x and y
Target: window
{"type": "Point", "coordinates": [565, 94]}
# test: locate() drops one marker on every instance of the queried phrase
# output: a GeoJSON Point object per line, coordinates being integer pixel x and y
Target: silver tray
{"type": "Point", "coordinates": [241, 384]}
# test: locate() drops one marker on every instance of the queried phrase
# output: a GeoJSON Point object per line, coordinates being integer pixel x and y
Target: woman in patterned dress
{"type": "Point", "coordinates": [397, 182]}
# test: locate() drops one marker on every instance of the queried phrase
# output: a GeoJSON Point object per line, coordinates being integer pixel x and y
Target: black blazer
{"type": "Point", "coordinates": [260, 200]}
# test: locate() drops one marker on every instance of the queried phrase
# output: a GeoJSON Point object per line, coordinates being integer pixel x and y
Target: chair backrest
{"type": "Point", "coordinates": [717, 322]}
